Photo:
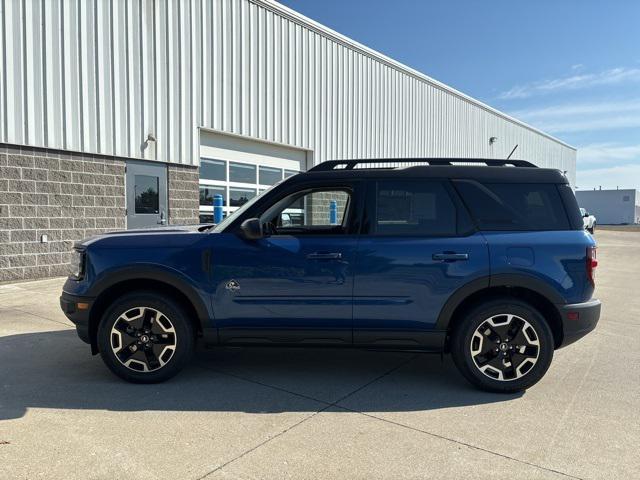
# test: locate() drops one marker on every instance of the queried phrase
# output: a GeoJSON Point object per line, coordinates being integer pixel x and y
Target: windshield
{"type": "Point", "coordinates": [229, 218]}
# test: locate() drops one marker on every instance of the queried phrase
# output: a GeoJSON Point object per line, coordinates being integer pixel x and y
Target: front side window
{"type": "Point", "coordinates": [310, 212]}
{"type": "Point", "coordinates": [147, 199]}
{"type": "Point", "coordinates": [414, 209]}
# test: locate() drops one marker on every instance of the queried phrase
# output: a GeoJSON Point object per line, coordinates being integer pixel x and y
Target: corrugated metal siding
{"type": "Point", "coordinates": [99, 75]}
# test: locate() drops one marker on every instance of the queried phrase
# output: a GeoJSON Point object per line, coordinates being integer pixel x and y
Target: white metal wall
{"type": "Point", "coordinates": [99, 75]}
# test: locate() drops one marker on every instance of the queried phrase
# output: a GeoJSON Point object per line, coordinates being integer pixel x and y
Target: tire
{"type": "Point", "coordinates": [522, 360]}
{"type": "Point", "coordinates": [139, 327]}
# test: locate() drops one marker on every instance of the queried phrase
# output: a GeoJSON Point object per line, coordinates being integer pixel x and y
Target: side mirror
{"type": "Point", "coordinates": [252, 229]}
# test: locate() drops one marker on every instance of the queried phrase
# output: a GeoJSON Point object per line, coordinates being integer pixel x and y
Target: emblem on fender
{"type": "Point", "coordinates": [232, 286]}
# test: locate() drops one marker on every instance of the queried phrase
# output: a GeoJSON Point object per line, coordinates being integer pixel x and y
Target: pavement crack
{"type": "Point", "coordinates": [309, 417]}
{"type": "Point", "coordinates": [465, 444]}
{"type": "Point", "coordinates": [38, 316]}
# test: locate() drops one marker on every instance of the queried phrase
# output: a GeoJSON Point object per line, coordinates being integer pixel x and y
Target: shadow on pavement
{"type": "Point", "coordinates": [54, 370]}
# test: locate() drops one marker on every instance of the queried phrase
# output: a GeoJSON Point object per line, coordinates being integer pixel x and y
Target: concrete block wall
{"type": "Point", "coordinates": [184, 194]}
{"type": "Point", "coordinates": [65, 196]}
{"type": "Point", "coordinates": [318, 206]}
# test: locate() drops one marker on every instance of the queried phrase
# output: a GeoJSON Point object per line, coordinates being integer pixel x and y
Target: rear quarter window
{"type": "Point", "coordinates": [514, 206]}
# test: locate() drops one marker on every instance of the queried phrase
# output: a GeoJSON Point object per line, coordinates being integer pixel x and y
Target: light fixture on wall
{"type": "Point", "coordinates": [492, 140]}
{"type": "Point", "coordinates": [151, 137]}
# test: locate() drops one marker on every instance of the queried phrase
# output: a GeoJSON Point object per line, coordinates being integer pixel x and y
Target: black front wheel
{"type": "Point", "coordinates": [145, 337]}
{"type": "Point", "coordinates": [503, 346]}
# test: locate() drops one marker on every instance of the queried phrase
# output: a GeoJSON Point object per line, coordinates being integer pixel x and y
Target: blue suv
{"type": "Point", "coordinates": [485, 259]}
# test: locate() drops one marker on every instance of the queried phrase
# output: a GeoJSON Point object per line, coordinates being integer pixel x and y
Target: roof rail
{"type": "Point", "coordinates": [352, 164]}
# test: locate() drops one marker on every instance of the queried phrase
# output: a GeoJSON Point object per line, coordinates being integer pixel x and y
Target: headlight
{"type": "Point", "coordinates": [77, 263]}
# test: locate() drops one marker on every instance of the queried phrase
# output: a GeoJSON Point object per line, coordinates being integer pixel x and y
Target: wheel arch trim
{"type": "Point", "coordinates": [501, 280]}
{"type": "Point", "coordinates": [170, 277]}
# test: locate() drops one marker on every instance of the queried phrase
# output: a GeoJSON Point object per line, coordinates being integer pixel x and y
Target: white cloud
{"type": "Point", "coordinates": [621, 176]}
{"type": "Point", "coordinates": [580, 117]}
{"type": "Point", "coordinates": [614, 76]}
{"type": "Point", "coordinates": [608, 152]}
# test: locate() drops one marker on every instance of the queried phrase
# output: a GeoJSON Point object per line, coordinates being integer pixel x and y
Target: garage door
{"type": "Point", "coordinates": [239, 168]}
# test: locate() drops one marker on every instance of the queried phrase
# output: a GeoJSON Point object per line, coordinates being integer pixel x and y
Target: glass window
{"type": "Point", "coordinates": [206, 218]}
{"type": "Point", "coordinates": [414, 208]}
{"type": "Point", "coordinates": [147, 199]}
{"type": "Point", "coordinates": [270, 176]}
{"type": "Point", "coordinates": [313, 212]}
{"type": "Point", "coordinates": [213, 169]}
{"type": "Point", "coordinates": [240, 196]}
{"type": "Point", "coordinates": [514, 206]}
{"type": "Point", "coordinates": [242, 173]}
{"type": "Point", "coordinates": [290, 173]}
{"type": "Point", "coordinates": [208, 191]}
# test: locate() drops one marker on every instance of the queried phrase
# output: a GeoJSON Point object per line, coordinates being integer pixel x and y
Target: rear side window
{"type": "Point", "coordinates": [414, 209]}
{"type": "Point", "coordinates": [514, 206]}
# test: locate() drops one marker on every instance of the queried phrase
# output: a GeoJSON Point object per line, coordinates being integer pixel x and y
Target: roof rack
{"type": "Point", "coordinates": [352, 164]}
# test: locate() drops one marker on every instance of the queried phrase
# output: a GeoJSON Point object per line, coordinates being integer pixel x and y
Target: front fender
{"type": "Point", "coordinates": [161, 273]}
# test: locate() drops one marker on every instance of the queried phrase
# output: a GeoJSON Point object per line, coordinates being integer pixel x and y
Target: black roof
{"type": "Point", "coordinates": [486, 170]}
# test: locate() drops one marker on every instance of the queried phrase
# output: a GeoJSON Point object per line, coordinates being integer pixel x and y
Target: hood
{"type": "Point", "coordinates": [170, 229]}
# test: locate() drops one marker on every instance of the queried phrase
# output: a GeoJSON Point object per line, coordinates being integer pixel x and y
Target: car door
{"type": "Point", "coordinates": [296, 283]}
{"type": "Point", "coordinates": [420, 247]}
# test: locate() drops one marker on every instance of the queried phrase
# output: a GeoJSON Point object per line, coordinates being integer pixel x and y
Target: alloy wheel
{"type": "Point", "coordinates": [505, 347]}
{"type": "Point", "coordinates": [143, 339]}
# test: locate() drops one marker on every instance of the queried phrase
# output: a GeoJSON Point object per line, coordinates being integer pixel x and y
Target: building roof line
{"type": "Point", "coordinates": [325, 31]}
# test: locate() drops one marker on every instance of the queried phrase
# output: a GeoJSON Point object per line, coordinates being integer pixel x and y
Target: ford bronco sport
{"type": "Point", "coordinates": [485, 259]}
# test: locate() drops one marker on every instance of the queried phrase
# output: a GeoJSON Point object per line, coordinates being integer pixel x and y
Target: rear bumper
{"type": "Point", "coordinates": [79, 316]}
{"type": "Point", "coordinates": [578, 319]}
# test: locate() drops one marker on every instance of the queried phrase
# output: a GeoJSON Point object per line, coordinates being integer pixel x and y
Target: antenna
{"type": "Point", "coordinates": [514, 149]}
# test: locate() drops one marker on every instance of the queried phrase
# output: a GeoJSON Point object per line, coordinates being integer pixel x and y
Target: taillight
{"type": "Point", "coordinates": [592, 263]}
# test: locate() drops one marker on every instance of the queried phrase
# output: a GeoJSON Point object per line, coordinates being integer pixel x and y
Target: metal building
{"type": "Point", "coordinates": [231, 95]}
{"type": "Point", "coordinates": [611, 207]}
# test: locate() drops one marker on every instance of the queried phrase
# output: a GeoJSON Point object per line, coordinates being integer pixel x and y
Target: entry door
{"type": "Point", "coordinates": [295, 285]}
{"type": "Point", "coordinates": [146, 194]}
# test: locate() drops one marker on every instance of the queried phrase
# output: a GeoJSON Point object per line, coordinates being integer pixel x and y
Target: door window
{"type": "Point", "coordinates": [147, 198]}
{"type": "Point", "coordinates": [310, 212]}
{"type": "Point", "coordinates": [414, 209]}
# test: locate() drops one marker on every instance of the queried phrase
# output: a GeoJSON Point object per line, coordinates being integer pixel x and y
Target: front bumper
{"type": "Point", "coordinates": [578, 319]}
{"type": "Point", "coordinates": [77, 310]}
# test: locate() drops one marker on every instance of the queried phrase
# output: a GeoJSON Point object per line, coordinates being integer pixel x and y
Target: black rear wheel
{"type": "Point", "coordinates": [503, 346]}
{"type": "Point", "coordinates": [145, 338]}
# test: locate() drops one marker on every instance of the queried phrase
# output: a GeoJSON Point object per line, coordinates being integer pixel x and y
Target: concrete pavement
{"type": "Point", "coordinates": [261, 413]}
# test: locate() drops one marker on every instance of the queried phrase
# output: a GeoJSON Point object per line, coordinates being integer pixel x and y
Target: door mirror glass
{"type": "Point", "coordinates": [252, 229]}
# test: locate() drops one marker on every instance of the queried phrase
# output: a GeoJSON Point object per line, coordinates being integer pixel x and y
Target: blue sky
{"type": "Point", "coordinates": [569, 67]}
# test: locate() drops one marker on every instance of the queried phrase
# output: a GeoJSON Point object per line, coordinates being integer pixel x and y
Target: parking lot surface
{"type": "Point", "coordinates": [266, 413]}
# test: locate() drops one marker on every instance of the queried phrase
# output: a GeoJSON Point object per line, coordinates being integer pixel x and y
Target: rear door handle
{"type": "Point", "coordinates": [452, 257]}
{"type": "Point", "coordinates": [324, 256]}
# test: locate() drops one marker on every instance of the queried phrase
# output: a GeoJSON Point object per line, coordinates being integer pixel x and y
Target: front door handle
{"type": "Point", "coordinates": [324, 256]}
{"type": "Point", "coordinates": [450, 257]}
